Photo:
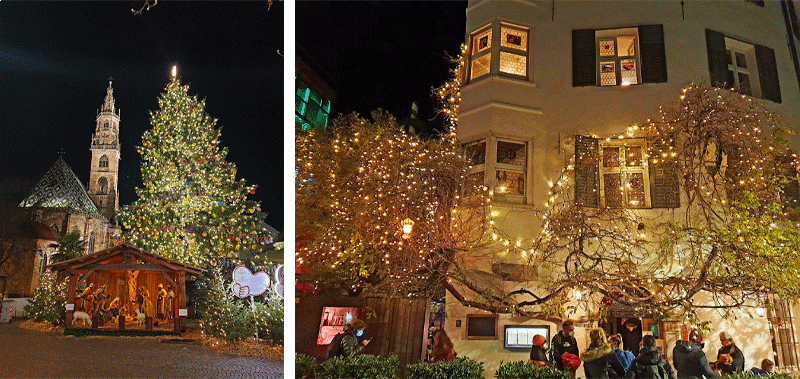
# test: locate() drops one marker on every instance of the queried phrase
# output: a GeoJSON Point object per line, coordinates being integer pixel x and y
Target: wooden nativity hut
{"type": "Point", "coordinates": [123, 287]}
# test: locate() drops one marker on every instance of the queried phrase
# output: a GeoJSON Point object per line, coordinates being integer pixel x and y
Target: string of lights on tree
{"type": "Point", "coordinates": [640, 263]}
{"type": "Point", "coordinates": [49, 300]}
{"type": "Point", "coordinates": [192, 207]}
{"type": "Point", "coordinates": [732, 237]}
{"type": "Point", "coordinates": [356, 185]}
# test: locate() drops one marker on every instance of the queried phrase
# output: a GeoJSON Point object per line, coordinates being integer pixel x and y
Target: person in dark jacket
{"type": "Point", "coordinates": [728, 347]}
{"type": "Point", "coordinates": [689, 360]}
{"type": "Point", "coordinates": [538, 352]}
{"type": "Point", "coordinates": [598, 361]}
{"type": "Point", "coordinates": [649, 364]}
{"type": "Point", "coordinates": [352, 332]}
{"type": "Point", "coordinates": [564, 342]}
{"type": "Point", "coordinates": [766, 368]}
{"type": "Point", "coordinates": [632, 335]}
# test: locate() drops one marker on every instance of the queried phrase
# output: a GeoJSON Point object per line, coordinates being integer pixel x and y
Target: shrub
{"type": "Point", "coordinates": [223, 316]}
{"type": "Point", "coordinates": [49, 300]}
{"type": "Point", "coordinates": [527, 370]}
{"type": "Point", "coordinates": [750, 375]}
{"type": "Point", "coordinates": [359, 367]}
{"type": "Point", "coordinates": [269, 318]}
{"type": "Point", "coordinates": [303, 365]}
{"type": "Point", "coordinates": [461, 368]}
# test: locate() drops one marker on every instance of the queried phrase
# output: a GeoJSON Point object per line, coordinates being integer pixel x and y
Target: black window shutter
{"type": "Point", "coordinates": [583, 59]}
{"type": "Point", "coordinates": [664, 186]}
{"type": "Point", "coordinates": [768, 73]}
{"type": "Point", "coordinates": [654, 57]}
{"type": "Point", "coordinates": [717, 62]}
{"type": "Point", "coordinates": [586, 171]}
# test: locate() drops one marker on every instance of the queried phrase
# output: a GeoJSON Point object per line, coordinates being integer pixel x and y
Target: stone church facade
{"type": "Point", "coordinates": [61, 204]}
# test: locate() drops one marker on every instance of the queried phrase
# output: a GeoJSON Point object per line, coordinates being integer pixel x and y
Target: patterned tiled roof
{"type": "Point", "coordinates": [60, 188]}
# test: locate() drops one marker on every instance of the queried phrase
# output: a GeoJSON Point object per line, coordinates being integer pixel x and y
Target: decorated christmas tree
{"type": "Point", "coordinates": [192, 207]}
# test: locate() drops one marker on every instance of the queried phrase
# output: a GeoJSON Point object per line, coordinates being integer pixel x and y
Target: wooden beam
{"type": "Point", "coordinates": [84, 277]}
{"type": "Point", "coordinates": [169, 280]}
{"type": "Point", "coordinates": [179, 321]}
{"type": "Point", "coordinates": [129, 267]}
{"type": "Point", "coordinates": [73, 278]}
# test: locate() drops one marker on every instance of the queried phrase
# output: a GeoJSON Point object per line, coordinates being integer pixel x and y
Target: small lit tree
{"type": "Point", "coordinates": [49, 300]}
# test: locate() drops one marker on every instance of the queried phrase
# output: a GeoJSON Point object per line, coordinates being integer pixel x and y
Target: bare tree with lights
{"type": "Point", "coordinates": [730, 235]}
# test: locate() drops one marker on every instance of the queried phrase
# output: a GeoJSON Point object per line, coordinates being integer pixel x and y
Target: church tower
{"type": "Point", "coordinates": [105, 158]}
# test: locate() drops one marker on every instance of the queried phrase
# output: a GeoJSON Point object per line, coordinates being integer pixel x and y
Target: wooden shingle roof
{"type": "Point", "coordinates": [124, 257]}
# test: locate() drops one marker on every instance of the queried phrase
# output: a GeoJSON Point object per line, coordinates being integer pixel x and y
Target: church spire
{"type": "Point", "coordinates": [108, 105]}
{"type": "Point", "coordinates": [105, 158]}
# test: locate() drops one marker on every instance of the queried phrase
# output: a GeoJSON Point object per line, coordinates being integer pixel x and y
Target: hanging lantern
{"type": "Point", "coordinates": [407, 225]}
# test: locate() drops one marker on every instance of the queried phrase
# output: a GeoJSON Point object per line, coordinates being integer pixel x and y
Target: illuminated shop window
{"type": "Point", "coordinates": [624, 176]}
{"type": "Point", "coordinates": [618, 52]}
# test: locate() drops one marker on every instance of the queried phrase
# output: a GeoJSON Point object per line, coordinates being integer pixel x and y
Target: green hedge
{"type": "Point", "coordinates": [750, 375]}
{"type": "Point", "coordinates": [527, 370]}
{"type": "Point", "coordinates": [461, 368]}
{"type": "Point", "coordinates": [304, 366]}
{"type": "Point", "coordinates": [359, 367]}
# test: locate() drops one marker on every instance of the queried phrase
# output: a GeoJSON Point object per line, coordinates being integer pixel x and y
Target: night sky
{"type": "Point", "coordinates": [383, 54]}
{"type": "Point", "coordinates": [56, 57]}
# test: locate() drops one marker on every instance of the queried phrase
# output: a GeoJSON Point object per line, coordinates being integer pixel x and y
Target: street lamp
{"type": "Point", "coordinates": [407, 225]}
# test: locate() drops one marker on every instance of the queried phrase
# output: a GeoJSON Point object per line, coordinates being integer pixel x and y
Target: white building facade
{"type": "Point", "coordinates": [539, 71]}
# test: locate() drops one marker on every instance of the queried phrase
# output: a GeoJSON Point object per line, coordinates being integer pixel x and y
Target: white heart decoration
{"type": "Point", "coordinates": [246, 284]}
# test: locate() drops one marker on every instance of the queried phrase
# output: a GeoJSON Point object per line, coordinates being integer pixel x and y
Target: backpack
{"type": "Point", "coordinates": [335, 349]}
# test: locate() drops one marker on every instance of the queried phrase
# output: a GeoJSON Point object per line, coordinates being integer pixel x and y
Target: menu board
{"type": "Point", "coordinates": [521, 336]}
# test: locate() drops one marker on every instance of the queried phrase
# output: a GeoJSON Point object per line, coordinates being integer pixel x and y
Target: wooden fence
{"type": "Point", "coordinates": [394, 326]}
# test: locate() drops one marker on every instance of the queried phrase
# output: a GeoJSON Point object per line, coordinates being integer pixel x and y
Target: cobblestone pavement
{"type": "Point", "coordinates": [32, 354]}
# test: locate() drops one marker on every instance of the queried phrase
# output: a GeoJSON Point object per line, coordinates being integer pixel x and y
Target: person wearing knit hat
{"type": "Point", "coordinates": [538, 352]}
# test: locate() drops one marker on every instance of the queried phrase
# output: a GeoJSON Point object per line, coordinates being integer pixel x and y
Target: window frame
{"type": "Point", "coordinates": [476, 169]}
{"type": "Point", "coordinates": [90, 244]}
{"type": "Point", "coordinates": [615, 34]}
{"type": "Point", "coordinates": [306, 99]}
{"type": "Point", "coordinates": [525, 52]}
{"type": "Point", "coordinates": [103, 162]}
{"type": "Point", "coordinates": [102, 184]}
{"type": "Point", "coordinates": [783, 337]}
{"type": "Point", "coordinates": [733, 46]}
{"type": "Point", "coordinates": [473, 55]}
{"type": "Point", "coordinates": [511, 168]}
{"type": "Point", "coordinates": [624, 171]}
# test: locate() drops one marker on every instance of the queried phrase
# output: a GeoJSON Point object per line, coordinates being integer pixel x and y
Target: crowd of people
{"type": "Point", "coordinates": [603, 359]}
